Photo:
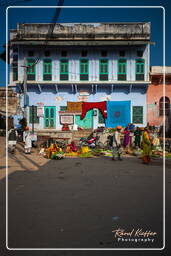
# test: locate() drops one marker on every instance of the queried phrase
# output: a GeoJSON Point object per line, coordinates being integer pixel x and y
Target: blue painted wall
{"type": "Point", "coordinates": [50, 98]}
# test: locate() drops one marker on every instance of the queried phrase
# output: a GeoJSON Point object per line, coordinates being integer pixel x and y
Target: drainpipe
{"type": "Point", "coordinates": [25, 88]}
{"type": "Point", "coordinates": [32, 119]}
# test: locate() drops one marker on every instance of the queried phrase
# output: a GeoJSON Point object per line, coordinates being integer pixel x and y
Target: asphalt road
{"type": "Point", "coordinates": [77, 203]}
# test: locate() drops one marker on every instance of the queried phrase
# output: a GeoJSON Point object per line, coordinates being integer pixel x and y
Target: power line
{"type": "Point", "coordinates": [48, 35]}
{"type": "Point", "coordinates": [50, 30]}
{"type": "Point", "coordinates": [5, 3]}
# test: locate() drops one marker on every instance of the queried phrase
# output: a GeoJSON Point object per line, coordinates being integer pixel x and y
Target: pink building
{"type": "Point", "coordinates": [155, 98]}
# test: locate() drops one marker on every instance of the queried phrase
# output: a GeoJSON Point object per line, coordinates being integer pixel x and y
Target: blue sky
{"type": "Point", "coordinates": [153, 15]}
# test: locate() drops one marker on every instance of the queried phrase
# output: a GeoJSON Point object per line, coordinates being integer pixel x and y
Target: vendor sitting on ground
{"type": "Point", "coordinates": [71, 147]}
{"type": "Point", "coordinates": [116, 145]}
{"type": "Point", "coordinates": [52, 151]}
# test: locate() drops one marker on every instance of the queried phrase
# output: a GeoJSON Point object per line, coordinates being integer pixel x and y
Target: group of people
{"type": "Point", "coordinates": [12, 140]}
{"type": "Point", "coordinates": [137, 138]}
{"type": "Point", "coordinates": [123, 139]}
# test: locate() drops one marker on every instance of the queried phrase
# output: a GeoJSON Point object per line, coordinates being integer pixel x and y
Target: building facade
{"type": "Point", "coordinates": [81, 64]}
{"type": "Point", "coordinates": [12, 105]}
{"type": "Point", "coordinates": [155, 96]}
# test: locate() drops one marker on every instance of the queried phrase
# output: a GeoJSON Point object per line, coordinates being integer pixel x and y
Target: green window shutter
{"type": "Point", "coordinates": [84, 66]}
{"type": "Point", "coordinates": [47, 69]}
{"type": "Point", "coordinates": [101, 119]}
{"type": "Point", "coordinates": [31, 69]}
{"type": "Point", "coordinates": [139, 69]}
{"type": "Point", "coordinates": [137, 114]}
{"type": "Point", "coordinates": [64, 69]}
{"type": "Point", "coordinates": [15, 71]}
{"type": "Point", "coordinates": [33, 118]}
{"type": "Point", "coordinates": [122, 68]}
{"type": "Point", "coordinates": [103, 69]}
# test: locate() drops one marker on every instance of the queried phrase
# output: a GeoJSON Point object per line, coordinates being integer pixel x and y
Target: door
{"type": "Point", "coordinates": [118, 113]}
{"type": "Point", "coordinates": [87, 122]}
{"type": "Point", "coordinates": [49, 117]}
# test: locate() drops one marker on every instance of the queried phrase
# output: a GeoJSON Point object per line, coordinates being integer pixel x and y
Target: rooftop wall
{"type": "Point", "coordinates": [82, 31]}
{"type": "Point", "coordinates": [159, 70]}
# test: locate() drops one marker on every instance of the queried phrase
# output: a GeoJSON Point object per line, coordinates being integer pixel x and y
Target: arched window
{"type": "Point", "coordinates": [166, 101]}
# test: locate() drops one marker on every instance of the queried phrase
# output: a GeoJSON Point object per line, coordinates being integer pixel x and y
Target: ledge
{"type": "Point", "coordinates": [114, 82]}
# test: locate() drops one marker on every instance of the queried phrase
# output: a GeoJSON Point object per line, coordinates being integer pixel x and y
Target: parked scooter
{"type": "Point", "coordinates": [91, 142]}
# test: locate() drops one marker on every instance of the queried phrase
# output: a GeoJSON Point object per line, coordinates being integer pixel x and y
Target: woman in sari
{"type": "Point", "coordinates": [126, 140]}
{"type": "Point", "coordinates": [146, 147]}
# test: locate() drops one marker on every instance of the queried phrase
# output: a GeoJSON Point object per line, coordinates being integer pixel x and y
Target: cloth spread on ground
{"type": "Point", "coordinates": [86, 106]}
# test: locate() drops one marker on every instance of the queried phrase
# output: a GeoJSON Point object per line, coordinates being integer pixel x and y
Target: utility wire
{"type": "Point", "coordinates": [5, 3]}
{"type": "Point", "coordinates": [49, 34]}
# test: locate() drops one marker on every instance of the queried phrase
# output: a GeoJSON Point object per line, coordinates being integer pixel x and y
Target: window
{"type": "Point", "coordinates": [15, 71]}
{"type": "Point", "coordinates": [103, 69]}
{"type": "Point", "coordinates": [84, 53]}
{"type": "Point", "coordinates": [47, 53]}
{"type": "Point", "coordinates": [63, 69]}
{"type": "Point", "coordinates": [33, 118]}
{"type": "Point", "coordinates": [15, 64]}
{"type": "Point", "coordinates": [122, 53]}
{"type": "Point", "coordinates": [139, 69]}
{"type": "Point", "coordinates": [30, 53]}
{"type": "Point", "coordinates": [63, 108]}
{"type": "Point", "coordinates": [47, 70]}
{"type": "Point", "coordinates": [122, 69]}
{"type": "Point", "coordinates": [31, 67]}
{"type": "Point", "coordinates": [140, 53]}
{"type": "Point", "coordinates": [164, 101]}
{"type": "Point", "coordinates": [84, 69]}
{"type": "Point", "coordinates": [101, 119]}
{"type": "Point", "coordinates": [104, 53]}
{"type": "Point", "coordinates": [137, 114]}
{"type": "Point", "coordinates": [64, 53]}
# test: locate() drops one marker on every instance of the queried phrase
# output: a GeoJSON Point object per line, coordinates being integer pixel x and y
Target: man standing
{"type": "Point", "coordinates": [12, 140]}
{"type": "Point", "coordinates": [27, 140]}
{"type": "Point", "coordinates": [137, 134]}
{"type": "Point", "coordinates": [117, 150]}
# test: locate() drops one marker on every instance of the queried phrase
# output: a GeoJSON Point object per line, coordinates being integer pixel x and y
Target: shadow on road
{"type": "Point", "coordinates": [76, 203]}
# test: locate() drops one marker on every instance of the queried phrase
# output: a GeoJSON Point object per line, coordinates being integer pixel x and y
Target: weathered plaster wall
{"type": "Point", "coordinates": [154, 93]}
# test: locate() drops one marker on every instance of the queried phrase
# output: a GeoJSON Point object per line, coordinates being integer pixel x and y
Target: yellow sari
{"type": "Point", "coordinates": [146, 146]}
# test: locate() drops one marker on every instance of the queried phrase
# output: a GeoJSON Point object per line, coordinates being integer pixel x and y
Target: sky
{"type": "Point", "coordinates": [40, 15]}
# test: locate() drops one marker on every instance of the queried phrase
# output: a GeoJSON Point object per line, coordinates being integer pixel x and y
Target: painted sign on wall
{"type": "Point", "coordinates": [66, 119]}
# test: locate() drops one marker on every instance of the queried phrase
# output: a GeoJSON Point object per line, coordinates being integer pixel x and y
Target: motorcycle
{"type": "Point", "coordinates": [91, 142]}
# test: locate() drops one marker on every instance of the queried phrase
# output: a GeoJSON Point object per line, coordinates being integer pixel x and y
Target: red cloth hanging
{"type": "Point", "coordinates": [86, 106]}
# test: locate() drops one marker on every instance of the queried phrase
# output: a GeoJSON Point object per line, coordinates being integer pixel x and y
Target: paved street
{"type": "Point", "coordinates": [76, 203]}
